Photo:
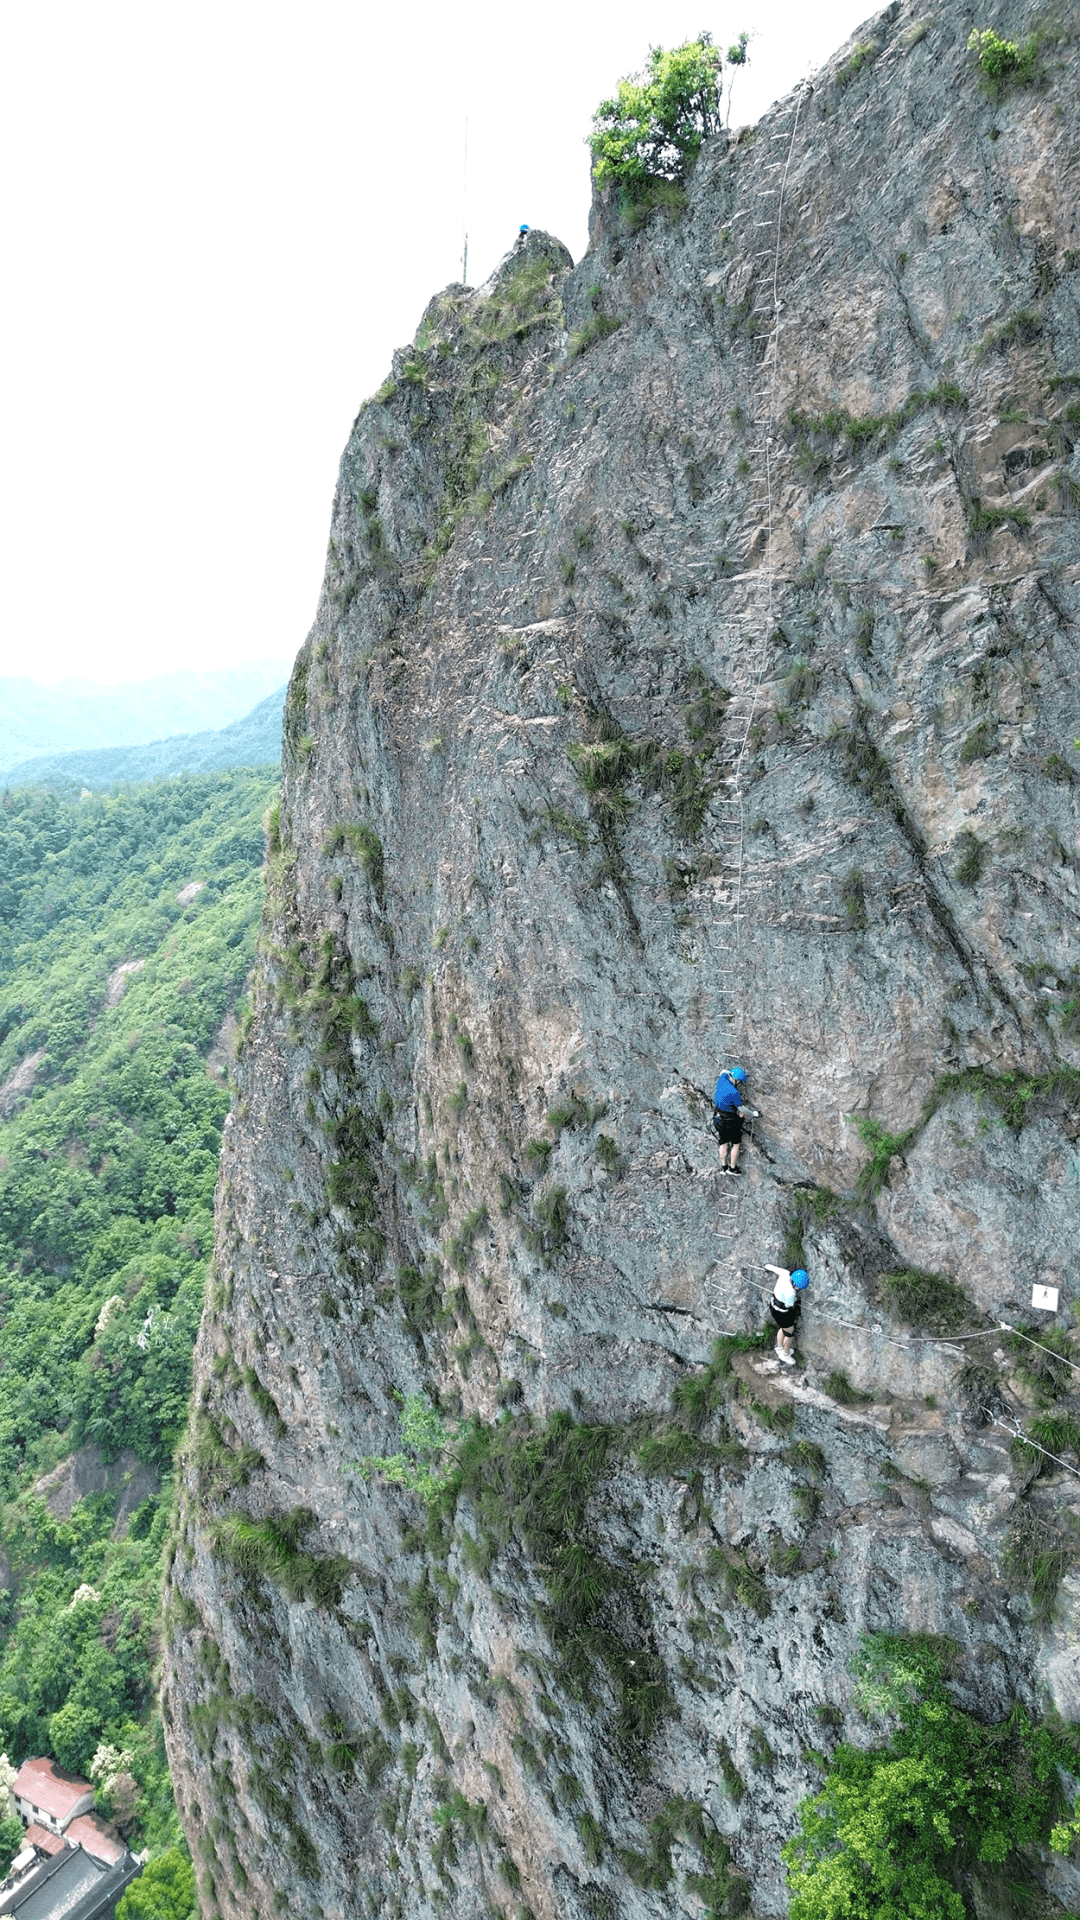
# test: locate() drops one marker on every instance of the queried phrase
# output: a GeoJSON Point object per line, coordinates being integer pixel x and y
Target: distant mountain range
{"type": "Point", "coordinates": [253, 741]}
{"type": "Point", "coordinates": [77, 714]}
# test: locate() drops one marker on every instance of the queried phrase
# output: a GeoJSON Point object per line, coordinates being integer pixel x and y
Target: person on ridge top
{"type": "Point", "coordinates": [727, 1117]}
{"type": "Point", "coordinates": [785, 1307]}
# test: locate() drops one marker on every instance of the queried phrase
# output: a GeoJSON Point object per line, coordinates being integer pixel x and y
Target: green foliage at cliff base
{"type": "Point", "coordinates": [165, 1890]}
{"type": "Point", "coordinates": [901, 1831]}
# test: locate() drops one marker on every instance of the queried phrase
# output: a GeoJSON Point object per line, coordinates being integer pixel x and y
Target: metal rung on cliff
{"type": "Point", "coordinates": [727, 1221]}
{"type": "Point", "coordinates": [728, 1287]}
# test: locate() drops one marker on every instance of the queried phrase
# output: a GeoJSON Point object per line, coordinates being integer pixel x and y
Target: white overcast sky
{"type": "Point", "coordinates": [218, 220]}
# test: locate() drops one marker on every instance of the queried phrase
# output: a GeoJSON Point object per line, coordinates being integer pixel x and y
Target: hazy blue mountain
{"type": "Point", "coordinates": [254, 741]}
{"type": "Point", "coordinates": [37, 720]}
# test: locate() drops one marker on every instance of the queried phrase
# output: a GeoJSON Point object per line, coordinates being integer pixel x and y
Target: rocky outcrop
{"type": "Point", "coordinates": [116, 985]}
{"type": "Point", "coordinates": [86, 1472]}
{"type": "Point", "coordinates": [19, 1085]}
{"type": "Point", "coordinates": [692, 681]}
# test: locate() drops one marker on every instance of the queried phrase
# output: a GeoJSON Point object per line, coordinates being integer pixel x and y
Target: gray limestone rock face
{"type": "Point", "coordinates": [87, 1472]}
{"type": "Point", "coordinates": [693, 682]}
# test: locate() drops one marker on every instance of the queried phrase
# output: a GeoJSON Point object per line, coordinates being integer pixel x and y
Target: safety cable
{"type": "Point", "coordinates": [938, 1340]}
{"type": "Point", "coordinates": [854, 1326]}
{"type": "Point", "coordinates": [1004, 1327]}
{"type": "Point", "coordinates": [1018, 1433]}
{"type": "Point", "coordinates": [954, 1339]}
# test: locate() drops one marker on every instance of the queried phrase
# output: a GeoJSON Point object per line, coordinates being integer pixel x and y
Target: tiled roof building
{"type": "Point", "coordinates": [45, 1793]}
{"type": "Point", "coordinates": [73, 1866]}
{"type": "Point", "coordinates": [72, 1885]}
{"type": "Point", "coordinates": [90, 1831]}
{"type": "Point", "coordinates": [42, 1839]}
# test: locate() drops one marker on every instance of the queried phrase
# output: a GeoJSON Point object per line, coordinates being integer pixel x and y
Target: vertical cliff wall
{"type": "Point", "coordinates": [694, 680]}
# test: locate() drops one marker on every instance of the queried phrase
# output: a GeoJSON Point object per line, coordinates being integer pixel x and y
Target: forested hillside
{"type": "Point", "coordinates": [127, 929]}
{"type": "Point", "coordinates": [36, 719]}
{"type": "Point", "coordinates": [252, 741]}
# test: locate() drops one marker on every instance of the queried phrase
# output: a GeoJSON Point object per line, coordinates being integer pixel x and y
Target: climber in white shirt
{"type": "Point", "coordinates": [785, 1306]}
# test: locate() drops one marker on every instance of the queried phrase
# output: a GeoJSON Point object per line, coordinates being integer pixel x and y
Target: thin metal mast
{"type": "Point", "coordinates": [465, 210]}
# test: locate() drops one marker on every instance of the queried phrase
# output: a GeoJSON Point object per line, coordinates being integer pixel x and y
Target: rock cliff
{"type": "Point", "coordinates": [693, 681]}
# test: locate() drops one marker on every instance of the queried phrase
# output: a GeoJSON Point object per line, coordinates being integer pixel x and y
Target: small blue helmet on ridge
{"type": "Point", "coordinates": [800, 1278]}
{"type": "Point", "coordinates": [738, 1073]}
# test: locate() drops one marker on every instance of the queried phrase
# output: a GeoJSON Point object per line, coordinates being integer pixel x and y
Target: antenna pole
{"type": "Point", "coordinates": [465, 209]}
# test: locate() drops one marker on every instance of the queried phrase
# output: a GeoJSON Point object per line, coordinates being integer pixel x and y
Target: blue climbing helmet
{"type": "Point", "coordinates": [800, 1278]}
{"type": "Point", "coordinates": [523, 227]}
{"type": "Point", "coordinates": [739, 1074]}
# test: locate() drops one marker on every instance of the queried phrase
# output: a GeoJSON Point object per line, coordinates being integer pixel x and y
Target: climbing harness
{"type": "Point", "coordinates": [743, 704]}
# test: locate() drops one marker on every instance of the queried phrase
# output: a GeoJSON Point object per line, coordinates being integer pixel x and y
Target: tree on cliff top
{"type": "Point", "coordinates": [654, 126]}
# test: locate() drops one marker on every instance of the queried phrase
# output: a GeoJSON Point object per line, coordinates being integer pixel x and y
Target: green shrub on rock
{"type": "Point", "coordinates": [929, 1300]}
{"type": "Point", "coordinates": [908, 1829]}
{"type": "Point", "coordinates": [1003, 63]}
{"type": "Point", "coordinates": [424, 1464]}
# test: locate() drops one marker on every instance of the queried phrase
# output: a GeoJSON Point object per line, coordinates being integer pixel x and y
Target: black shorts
{"type": "Point", "coordinates": [727, 1127]}
{"type": "Point", "coordinates": [786, 1318]}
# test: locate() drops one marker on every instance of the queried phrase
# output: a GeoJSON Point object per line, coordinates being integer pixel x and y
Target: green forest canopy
{"type": "Point", "coordinates": [108, 1160]}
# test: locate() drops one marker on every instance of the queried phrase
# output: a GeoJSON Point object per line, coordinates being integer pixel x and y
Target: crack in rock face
{"type": "Point", "coordinates": [692, 684]}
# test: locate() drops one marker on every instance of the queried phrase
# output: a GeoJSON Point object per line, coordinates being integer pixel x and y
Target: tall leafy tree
{"type": "Point", "coordinates": [654, 125]}
{"type": "Point", "coordinates": [902, 1830]}
{"type": "Point", "coordinates": [165, 1890]}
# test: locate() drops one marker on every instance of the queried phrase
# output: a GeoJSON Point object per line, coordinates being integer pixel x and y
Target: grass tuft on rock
{"type": "Point", "coordinates": [270, 1549]}
{"type": "Point", "coordinates": [839, 1388]}
{"type": "Point", "coordinates": [922, 1299]}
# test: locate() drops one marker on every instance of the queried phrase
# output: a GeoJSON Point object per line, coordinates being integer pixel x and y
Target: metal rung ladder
{"type": "Point", "coordinates": [743, 703]}
{"type": "Point", "coordinates": [729, 1277]}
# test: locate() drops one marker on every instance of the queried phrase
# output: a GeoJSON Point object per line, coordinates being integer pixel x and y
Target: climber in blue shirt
{"type": "Point", "coordinates": [727, 1117]}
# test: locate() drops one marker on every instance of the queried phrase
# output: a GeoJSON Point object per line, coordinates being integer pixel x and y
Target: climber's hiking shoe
{"type": "Point", "coordinates": [732, 1170]}
{"type": "Point", "coordinates": [785, 1359]}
